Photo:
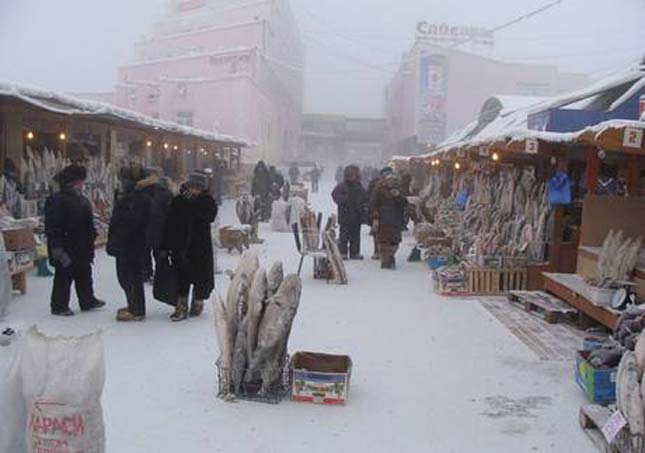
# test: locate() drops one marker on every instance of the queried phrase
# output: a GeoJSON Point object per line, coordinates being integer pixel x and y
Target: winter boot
{"type": "Point", "coordinates": [125, 316]}
{"type": "Point", "coordinates": [196, 308]}
{"type": "Point", "coordinates": [181, 310]}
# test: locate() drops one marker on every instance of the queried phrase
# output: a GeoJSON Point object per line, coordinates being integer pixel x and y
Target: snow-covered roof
{"type": "Point", "coordinates": [70, 105]}
{"type": "Point", "coordinates": [512, 119]}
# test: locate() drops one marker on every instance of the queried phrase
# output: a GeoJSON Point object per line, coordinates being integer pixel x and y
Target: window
{"type": "Point", "coordinates": [185, 118]}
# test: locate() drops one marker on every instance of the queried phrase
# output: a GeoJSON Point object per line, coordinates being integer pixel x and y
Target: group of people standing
{"type": "Point", "coordinates": [148, 222]}
{"type": "Point", "coordinates": [382, 206]}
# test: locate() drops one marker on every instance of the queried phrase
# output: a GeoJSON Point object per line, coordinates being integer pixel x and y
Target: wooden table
{"type": "Point", "coordinates": [570, 288]}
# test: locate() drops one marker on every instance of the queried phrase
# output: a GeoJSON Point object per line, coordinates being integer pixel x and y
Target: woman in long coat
{"type": "Point", "coordinates": [188, 238]}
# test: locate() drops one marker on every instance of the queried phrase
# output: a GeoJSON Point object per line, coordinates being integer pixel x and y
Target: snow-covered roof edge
{"type": "Point", "coordinates": [40, 97]}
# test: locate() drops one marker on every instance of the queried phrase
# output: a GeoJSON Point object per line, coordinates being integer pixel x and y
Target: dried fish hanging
{"type": "Point", "coordinates": [506, 216]}
{"type": "Point", "coordinates": [618, 258]}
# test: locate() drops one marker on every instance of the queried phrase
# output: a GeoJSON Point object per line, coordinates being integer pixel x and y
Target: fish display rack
{"type": "Point", "coordinates": [250, 391]}
{"type": "Point", "coordinates": [593, 418]}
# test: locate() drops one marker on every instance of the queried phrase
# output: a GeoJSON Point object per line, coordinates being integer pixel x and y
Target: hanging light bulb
{"type": "Point", "coordinates": [495, 157]}
{"type": "Point", "coordinates": [30, 135]}
{"type": "Point", "coordinates": [149, 144]}
{"type": "Point", "coordinates": [457, 165]}
{"type": "Point", "coordinates": [166, 146]}
{"type": "Point", "coordinates": [175, 147]}
{"type": "Point", "coordinates": [62, 136]}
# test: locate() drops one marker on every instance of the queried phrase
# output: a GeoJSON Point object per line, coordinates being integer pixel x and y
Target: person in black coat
{"type": "Point", "coordinates": [127, 241]}
{"type": "Point", "coordinates": [276, 177]}
{"type": "Point", "coordinates": [261, 188]}
{"type": "Point", "coordinates": [188, 238]}
{"type": "Point", "coordinates": [157, 188]}
{"type": "Point", "coordinates": [351, 198]}
{"type": "Point", "coordinates": [70, 231]}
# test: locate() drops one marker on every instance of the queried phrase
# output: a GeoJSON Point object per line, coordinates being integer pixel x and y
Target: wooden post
{"type": "Point", "coordinates": [593, 170]}
{"type": "Point", "coordinates": [633, 174]}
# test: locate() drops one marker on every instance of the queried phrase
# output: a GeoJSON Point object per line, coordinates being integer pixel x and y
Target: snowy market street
{"type": "Point", "coordinates": [431, 374]}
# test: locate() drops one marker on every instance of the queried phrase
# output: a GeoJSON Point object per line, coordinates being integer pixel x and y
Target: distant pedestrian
{"type": "Point", "coordinates": [128, 242]}
{"type": "Point", "coordinates": [276, 177]}
{"type": "Point", "coordinates": [338, 177]}
{"type": "Point", "coordinates": [294, 173]}
{"type": "Point", "coordinates": [315, 174]}
{"type": "Point", "coordinates": [261, 188]}
{"type": "Point", "coordinates": [188, 238]}
{"type": "Point", "coordinates": [351, 198]}
{"type": "Point", "coordinates": [69, 226]}
{"type": "Point", "coordinates": [388, 207]}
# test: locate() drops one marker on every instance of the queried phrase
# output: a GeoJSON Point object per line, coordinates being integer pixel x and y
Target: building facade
{"type": "Point", "coordinates": [339, 140]}
{"type": "Point", "coordinates": [232, 66]}
{"type": "Point", "coordinates": [439, 89]}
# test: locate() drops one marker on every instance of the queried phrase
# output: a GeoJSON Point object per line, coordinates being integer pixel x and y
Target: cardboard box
{"type": "Point", "coordinates": [320, 378]}
{"type": "Point", "coordinates": [20, 239]}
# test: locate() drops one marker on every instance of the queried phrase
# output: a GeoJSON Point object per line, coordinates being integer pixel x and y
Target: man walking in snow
{"type": "Point", "coordinates": [351, 198]}
{"type": "Point", "coordinates": [69, 226]}
{"type": "Point", "coordinates": [388, 207]}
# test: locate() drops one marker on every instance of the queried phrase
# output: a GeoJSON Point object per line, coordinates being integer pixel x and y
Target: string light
{"type": "Point", "coordinates": [62, 136]}
{"type": "Point", "coordinates": [30, 135]}
{"type": "Point", "coordinates": [495, 157]}
{"type": "Point", "coordinates": [457, 165]}
{"type": "Point", "coordinates": [166, 146]}
{"type": "Point", "coordinates": [148, 143]}
{"type": "Point", "coordinates": [175, 147]}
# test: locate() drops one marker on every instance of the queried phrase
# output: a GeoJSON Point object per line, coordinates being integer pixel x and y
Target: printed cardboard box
{"type": "Point", "coordinates": [320, 378]}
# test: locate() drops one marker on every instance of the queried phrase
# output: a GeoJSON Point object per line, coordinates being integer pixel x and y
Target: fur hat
{"type": "Point", "coordinates": [71, 174]}
{"type": "Point", "coordinates": [198, 181]}
{"type": "Point", "coordinates": [386, 171]}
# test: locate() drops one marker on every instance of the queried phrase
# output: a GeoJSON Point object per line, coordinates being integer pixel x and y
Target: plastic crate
{"type": "Point", "coordinates": [598, 384]}
{"type": "Point", "coordinates": [436, 261]}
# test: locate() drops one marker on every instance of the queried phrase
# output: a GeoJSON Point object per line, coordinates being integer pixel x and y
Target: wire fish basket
{"type": "Point", "coordinates": [252, 391]}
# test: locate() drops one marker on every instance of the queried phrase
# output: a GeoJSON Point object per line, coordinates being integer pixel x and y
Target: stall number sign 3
{"type": "Point", "coordinates": [633, 137]}
{"type": "Point", "coordinates": [531, 146]}
{"type": "Point", "coordinates": [614, 425]}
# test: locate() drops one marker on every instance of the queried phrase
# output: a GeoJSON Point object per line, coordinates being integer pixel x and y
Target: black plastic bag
{"type": "Point", "coordinates": [164, 285]}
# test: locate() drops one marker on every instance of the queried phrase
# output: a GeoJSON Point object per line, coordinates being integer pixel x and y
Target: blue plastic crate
{"type": "Point", "coordinates": [437, 261]}
{"type": "Point", "coordinates": [598, 385]}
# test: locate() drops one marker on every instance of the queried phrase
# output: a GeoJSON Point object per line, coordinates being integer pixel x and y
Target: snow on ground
{"type": "Point", "coordinates": [431, 374]}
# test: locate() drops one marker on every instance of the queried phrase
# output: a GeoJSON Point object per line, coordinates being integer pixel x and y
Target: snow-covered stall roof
{"type": "Point", "coordinates": [511, 119]}
{"type": "Point", "coordinates": [70, 105]}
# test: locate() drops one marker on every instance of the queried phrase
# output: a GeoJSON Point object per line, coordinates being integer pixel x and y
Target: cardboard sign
{"type": "Point", "coordinates": [633, 137]}
{"type": "Point", "coordinates": [613, 426]}
{"type": "Point", "coordinates": [532, 146]}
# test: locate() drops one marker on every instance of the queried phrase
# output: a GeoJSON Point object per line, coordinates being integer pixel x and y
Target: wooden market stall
{"type": "Point", "coordinates": [42, 131]}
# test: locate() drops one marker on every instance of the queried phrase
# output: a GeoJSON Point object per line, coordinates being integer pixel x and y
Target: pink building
{"type": "Point", "coordinates": [231, 66]}
{"type": "Point", "coordinates": [438, 90]}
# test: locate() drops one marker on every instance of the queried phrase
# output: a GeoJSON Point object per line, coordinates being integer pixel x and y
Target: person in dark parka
{"type": "Point", "coordinates": [294, 173]}
{"type": "Point", "coordinates": [388, 207]}
{"type": "Point", "coordinates": [261, 188]}
{"type": "Point", "coordinates": [128, 242]}
{"type": "Point", "coordinates": [69, 226]}
{"type": "Point", "coordinates": [188, 238]}
{"type": "Point", "coordinates": [351, 198]}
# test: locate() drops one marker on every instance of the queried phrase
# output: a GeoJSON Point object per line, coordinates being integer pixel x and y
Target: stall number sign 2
{"type": "Point", "coordinates": [614, 425]}
{"type": "Point", "coordinates": [532, 146]}
{"type": "Point", "coordinates": [633, 137]}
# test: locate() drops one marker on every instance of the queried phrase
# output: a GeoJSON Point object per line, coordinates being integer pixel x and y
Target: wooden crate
{"type": "Point", "coordinates": [485, 281]}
